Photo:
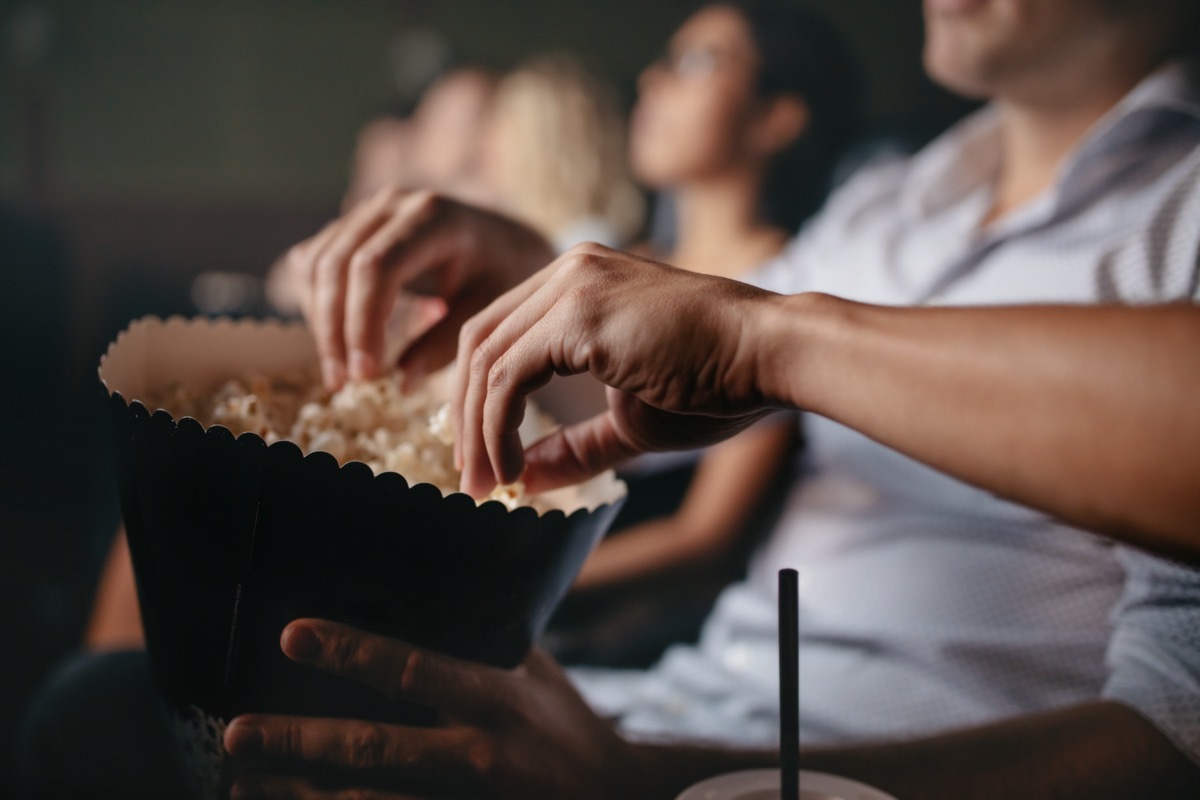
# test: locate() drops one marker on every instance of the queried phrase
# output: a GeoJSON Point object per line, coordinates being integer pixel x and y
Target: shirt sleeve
{"type": "Point", "coordinates": [1154, 653]}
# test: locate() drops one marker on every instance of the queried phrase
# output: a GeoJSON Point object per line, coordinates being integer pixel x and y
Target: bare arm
{"type": "Point", "coordinates": [116, 620]}
{"type": "Point", "coordinates": [729, 484]}
{"type": "Point", "coordinates": [526, 733]}
{"type": "Point", "coordinates": [1100, 750]}
{"type": "Point", "coordinates": [1087, 413]}
{"type": "Point", "coordinates": [1091, 414]}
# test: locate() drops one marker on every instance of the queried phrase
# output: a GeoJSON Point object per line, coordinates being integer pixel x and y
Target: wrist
{"type": "Point", "coordinates": [795, 335]}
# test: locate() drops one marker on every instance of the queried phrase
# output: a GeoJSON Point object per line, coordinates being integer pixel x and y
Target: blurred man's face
{"type": "Point", "coordinates": [985, 48]}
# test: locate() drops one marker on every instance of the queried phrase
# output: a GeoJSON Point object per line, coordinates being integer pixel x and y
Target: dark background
{"type": "Point", "coordinates": [145, 141]}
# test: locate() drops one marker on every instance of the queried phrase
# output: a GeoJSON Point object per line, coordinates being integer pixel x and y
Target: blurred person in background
{"type": "Point", "coordinates": [385, 154]}
{"type": "Point", "coordinates": [388, 150]}
{"type": "Point", "coordinates": [450, 125]}
{"type": "Point", "coordinates": [743, 121]}
{"type": "Point", "coordinates": [437, 146]}
{"type": "Point", "coordinates": [554, 155]}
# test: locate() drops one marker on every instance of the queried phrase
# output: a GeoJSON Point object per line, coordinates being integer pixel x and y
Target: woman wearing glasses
{"type": "Point", "coordinates": [740, 123]}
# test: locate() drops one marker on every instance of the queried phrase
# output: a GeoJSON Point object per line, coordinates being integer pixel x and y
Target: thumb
{"type": "Point", "coordinates": [575, 453]}
{"type": "Point", "coordinates": [437, 346]}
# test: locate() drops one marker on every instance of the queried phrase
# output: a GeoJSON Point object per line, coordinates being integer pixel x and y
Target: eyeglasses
{"type": "Point", "coordinates": [697, 62]}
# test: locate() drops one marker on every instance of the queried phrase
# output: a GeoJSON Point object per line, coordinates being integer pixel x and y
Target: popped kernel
{"type": "Point", "coordinates": [371, 421]}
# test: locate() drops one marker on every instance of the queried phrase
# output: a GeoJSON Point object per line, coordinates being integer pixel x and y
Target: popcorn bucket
{"type": "Point", "coordinates": [231, 539]}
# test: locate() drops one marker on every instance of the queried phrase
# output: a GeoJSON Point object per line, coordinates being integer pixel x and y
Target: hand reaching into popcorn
{"type": "Point", "coordinates": [352, 271]}
{"type": "Point", "coordinates": [692, 359]}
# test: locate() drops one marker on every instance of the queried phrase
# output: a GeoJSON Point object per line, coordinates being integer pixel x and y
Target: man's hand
{"type": "Point", "coordinates": [503, 733]}
{"type": "Point", "coordinates": [680, 353]}
{"type": "Point", "coordinates": [350, 273]}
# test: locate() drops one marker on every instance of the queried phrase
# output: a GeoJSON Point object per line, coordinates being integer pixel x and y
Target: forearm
{"type": "Point", "coordinates": [1101, 750]}
{"type": "Point", "coordinates": [115, 622]}
{"type": "Point", "coordinates": [1091, 414]}
{"type": "Point", "coordinates": [642, 550]}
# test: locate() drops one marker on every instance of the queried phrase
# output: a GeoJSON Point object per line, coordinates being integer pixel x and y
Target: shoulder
{"type": "Point", "coordinates": [871, 191]}
{"type": "Point", "coordinates": [1160, 257]}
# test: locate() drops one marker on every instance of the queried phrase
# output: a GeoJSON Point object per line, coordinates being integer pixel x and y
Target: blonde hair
{"type": "Point", "coordinates": [567, 148]}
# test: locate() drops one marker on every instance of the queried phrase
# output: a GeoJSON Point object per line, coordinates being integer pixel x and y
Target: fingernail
{"type": "Point", "coordinates": [362, 365]}
{"type": "Point", "coordinates": [243, 739]}
{"type": "Point", "coordinates": [301, 644]}
{"type": "Point", "coordinates": [333, 373]}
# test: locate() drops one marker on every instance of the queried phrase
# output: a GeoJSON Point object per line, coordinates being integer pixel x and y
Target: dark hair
{"type": "Point", "coordinates": [801, 53]}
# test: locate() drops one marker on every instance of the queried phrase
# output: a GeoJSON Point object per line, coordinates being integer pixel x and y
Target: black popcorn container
{"type": "Point", "coordinates": [231, 539]}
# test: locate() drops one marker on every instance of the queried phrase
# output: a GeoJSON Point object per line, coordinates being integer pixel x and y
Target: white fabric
{"type": "Point", "coordinates": [926, 604]}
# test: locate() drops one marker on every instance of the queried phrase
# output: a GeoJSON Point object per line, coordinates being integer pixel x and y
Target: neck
{"type": "Point", "coordinates": [1041, 127]}
{"type": "Point", "coordinates": [719, 229]}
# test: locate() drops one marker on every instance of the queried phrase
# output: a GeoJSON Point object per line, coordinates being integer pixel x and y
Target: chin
{"type": "Point", "coordinates": [953, 70]}
{"type": "Point", "coordinates": [650, 171]}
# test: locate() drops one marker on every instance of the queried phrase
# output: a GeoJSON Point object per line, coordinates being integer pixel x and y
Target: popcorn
{"type": "Point", "coordinates": [371, 421]}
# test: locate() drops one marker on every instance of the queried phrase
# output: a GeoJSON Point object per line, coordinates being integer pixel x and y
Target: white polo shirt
{"type": "Point", "coordinates": [926, 604]}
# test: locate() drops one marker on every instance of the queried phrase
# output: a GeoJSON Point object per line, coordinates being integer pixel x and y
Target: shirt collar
{"type": "Point", "coordinates": [957, 164]}
{"type": "Point", "coordinates": [966, 159]}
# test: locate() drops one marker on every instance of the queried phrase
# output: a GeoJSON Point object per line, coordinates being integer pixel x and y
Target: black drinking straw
{"type": "Point", "coordinates": [789, 686]}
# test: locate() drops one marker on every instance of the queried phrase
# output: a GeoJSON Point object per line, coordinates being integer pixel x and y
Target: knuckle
{"type": "Point", "coordinates": [583, 249]}
{"type": "Point", "coordinates": [364, 657]}
{"type": "Point", "coordinates": [389, 193]}
{"type": "Point", "coordinates": [481, 362]}
{"type": "Point", "coordinates": [498, 377]}
{"type": "Point", "coordinates": [367, 747]}
{"type": "Point", "coordinates": [480, 757]}
{"type": "Point", "coordinates": [366, 260]}
{"type": "Point", "coordinates": [412, 671]}
{"type": "Point", "coordinates": [424, 201]}
{"type": "Point", "coordinates": [290, 739]}
{"type": "Point", "coordinates": [471, 333]}
{"type": "Point", "coordinates": [329, 264]}
{"type": "Point", "coordinates": [580, 263]}
{"type": "Point", "coordinates": [343, 652]}
{"type": "Point", "coordinates": [297, 257]}
{"type": "Point", "coordinates": [593, 356]}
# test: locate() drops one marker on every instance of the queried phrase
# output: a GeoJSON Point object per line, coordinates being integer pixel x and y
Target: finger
{"type": "Point", "coordinates": [436, 346]}
{"type": "Point", "coordinates": [478, 473]}
{"type": "Point", "coordinates": [397, 669]}
{"type": "Point", "coordinates": [302, 265]}
{"type": "Point", "coordinates": [629, 427]}
{"type": "Point", "coordinates": [282, 787]}
{"type": "Point", "coordinates": [332, 264]}
{"type": "Point", "coordinates": [474, 333]}
{"type": "Point", "coordinates": [528, 364]}
{"type": "Point", "coordinates": [370, 751]}
{"type": "Point", "coordinates": [375, 278]}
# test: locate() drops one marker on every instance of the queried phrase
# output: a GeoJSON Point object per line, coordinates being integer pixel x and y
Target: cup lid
{"type": "Point", "coordinates": [763, 784]}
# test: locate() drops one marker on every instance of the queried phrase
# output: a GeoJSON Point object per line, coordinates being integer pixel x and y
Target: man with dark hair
{"type": "Point", "coordinates": [956, 645]}
{"type": "Point", "coordinates": [928, 607]}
